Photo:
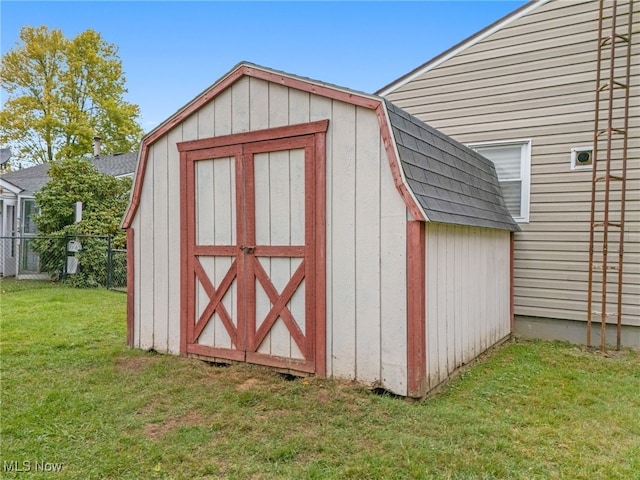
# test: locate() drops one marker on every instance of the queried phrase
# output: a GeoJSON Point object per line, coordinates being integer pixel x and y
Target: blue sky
{"type": "Point", "coordinates": [172, 51]}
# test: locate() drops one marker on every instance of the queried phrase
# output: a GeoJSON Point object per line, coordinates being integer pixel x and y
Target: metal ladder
{"type": "Point", "coordinates": [609, 163]}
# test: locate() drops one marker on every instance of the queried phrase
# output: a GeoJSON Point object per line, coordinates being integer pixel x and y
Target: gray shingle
{"type": "Point", "coordinates": [32, 179]}
{"type": "Point", "coordinates": [452, 183]}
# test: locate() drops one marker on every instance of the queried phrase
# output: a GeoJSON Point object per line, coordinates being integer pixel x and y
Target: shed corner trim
{"type": "Point", "coordinates": [393, 157]}
{"type": "Point", "coordinates": [416, 309]}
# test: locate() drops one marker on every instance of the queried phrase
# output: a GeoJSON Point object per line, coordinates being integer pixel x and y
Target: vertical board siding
{"type": "Point", "coordinates": [173, 233]}
{"type": "Point", "coordinates": [393, 282]}
{"type": "Point", "coordinates": [367, 239]}
{"type": "Point", "coordinates": [240, 105]}
{"type": "Point", "coordinates": [365, 230]}
{"type": "Point", "coordinates": [535, 79]}
{"type": "Point", "coordinates": [160, 245]}
{"type": "Point", "coordinates": [467, 295]}
{"type": "Point", "coordinates": [343, 175]}
{"type": "Point", "coordinates": [322, 108]}
{"type": "Point", "coordinates": [145, 295]}
{"type": "Point", "coordinates": [259, 111]}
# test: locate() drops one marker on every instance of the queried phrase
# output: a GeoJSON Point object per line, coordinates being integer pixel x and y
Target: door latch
{"type": "Point", "coordinates": [247, 249]}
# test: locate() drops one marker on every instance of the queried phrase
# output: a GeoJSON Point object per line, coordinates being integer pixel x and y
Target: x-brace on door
{"type": "Point", "coordinates": [253, 241]}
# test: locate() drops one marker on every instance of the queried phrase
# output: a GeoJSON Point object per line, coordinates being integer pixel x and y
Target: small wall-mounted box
{"type": "Point", "coordinates": [581, 158]}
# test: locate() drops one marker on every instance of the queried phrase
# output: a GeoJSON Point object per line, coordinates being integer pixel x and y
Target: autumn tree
{"type": "Point", "coordinates": [60, 93]}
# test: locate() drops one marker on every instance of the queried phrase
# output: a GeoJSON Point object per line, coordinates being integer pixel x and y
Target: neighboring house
{"type": "Point", "coordinates": [287, 222]}
{"type": "Point", "coordinates": [18, 206]}
{"type": "Point", "coordinates": [522, 92]}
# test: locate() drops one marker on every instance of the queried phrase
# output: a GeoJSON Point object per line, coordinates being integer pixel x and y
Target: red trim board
{"type": "Point", "coordinates": [416, 309]}
{"type": "Point", "coordinates": [511, 282]}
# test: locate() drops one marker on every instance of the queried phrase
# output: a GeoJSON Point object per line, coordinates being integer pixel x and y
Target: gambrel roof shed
{"type": "Point", "coordinates": [308, 214]}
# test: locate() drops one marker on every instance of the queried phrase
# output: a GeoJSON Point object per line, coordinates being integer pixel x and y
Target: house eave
{"type": "Point", "coordinates": [460, 47]}
{"type": "Point", "coordinates": [16, 190]}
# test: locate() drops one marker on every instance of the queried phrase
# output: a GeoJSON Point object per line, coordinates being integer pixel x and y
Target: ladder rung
{"type": "Point", "coordinates": [620, 131]}
{"type": "Point", "coordinates": [611, 224]}
{"type": "Point", "coordinates": [616, 83]}
{"type": "Point", "coordinates": [611, 177]}
{"type": "Point", "coordinates": [601, 267]}
{"type": "Point", "coordinates": [619, 36]}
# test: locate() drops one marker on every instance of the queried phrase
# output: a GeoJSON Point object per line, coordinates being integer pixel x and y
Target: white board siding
{"type": "Point", "coordinates": [535, 79]}
{"type": "Point", "coordinates": [173, 238]}
{"type": "Point", "coordinates": [467, 295]}
{"type": "Point", "coordinates": [365, 230]}
{"type": "Point", "coordinates": [145, 264]}
{"type": "Point", "coordinates": [342, 277]}
{"type": "Point", "coordinates": [160, 245]}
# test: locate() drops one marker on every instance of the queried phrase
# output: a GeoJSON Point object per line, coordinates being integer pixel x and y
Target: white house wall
{"type": "Point", "coordinates": [535, 79]}
{"type": "Point", "coordinates": [365, 230]}
{"type": "Point", "coordinates": [467, 283]}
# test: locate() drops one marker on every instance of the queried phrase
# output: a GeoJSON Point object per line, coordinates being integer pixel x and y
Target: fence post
{"type": "Point", "coordinates": [65, 242]}
{"type": "Point", "coordinates": [109, 264]}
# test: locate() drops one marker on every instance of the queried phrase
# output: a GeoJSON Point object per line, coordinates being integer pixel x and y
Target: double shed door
{"type": "Point", "coordinates": [253, 279]}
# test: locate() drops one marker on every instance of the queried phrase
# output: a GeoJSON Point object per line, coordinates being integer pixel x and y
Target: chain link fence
{"type": "Point", "coordinates": [80, 261]}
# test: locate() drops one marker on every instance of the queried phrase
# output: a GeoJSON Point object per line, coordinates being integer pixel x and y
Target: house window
{"type": "Point", "coordinates": [29, 211]}
{"type": "Point", "coordinates": [512, 160]}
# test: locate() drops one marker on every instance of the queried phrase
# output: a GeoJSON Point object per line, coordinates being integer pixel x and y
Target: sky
{"type": "Point", "coordinates": [171, 51]}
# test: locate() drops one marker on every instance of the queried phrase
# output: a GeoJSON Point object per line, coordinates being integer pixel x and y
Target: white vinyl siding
{"type": "Point", "coordinates": [535, 79]}
{"type": "Point", "coordinates": [513, 164]}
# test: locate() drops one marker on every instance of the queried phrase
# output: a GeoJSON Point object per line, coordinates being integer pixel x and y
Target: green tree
{"type": "Point", "coordinates": [105, 199]}
{"type": "Point", "coordinates": [62, 92]}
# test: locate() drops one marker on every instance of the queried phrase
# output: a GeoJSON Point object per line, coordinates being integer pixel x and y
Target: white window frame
{"type": "Point", "coordinates": [525, 171]}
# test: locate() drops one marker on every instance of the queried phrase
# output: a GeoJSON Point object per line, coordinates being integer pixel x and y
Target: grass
{"type": "Point", "coordinates": [72, 393]}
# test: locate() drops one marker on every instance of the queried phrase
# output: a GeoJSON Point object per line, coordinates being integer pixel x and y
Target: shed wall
{"type": "Point", "coordinates": [366, 229]}
{"type": "Point", "coordinates": [535, 79]}
{"type": "Point", "coordinates": [467, 295]}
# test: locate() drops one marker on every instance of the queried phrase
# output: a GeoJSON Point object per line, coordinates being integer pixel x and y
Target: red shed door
{"type": "Point", "coordinates": [250, 279]}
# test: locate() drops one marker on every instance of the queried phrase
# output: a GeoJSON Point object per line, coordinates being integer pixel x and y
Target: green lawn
{"type": "Point", "coordinates": [72, 393]}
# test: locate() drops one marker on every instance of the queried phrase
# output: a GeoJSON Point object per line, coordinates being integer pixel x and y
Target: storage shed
{"type": "Point", "coordinates": [286, 222]}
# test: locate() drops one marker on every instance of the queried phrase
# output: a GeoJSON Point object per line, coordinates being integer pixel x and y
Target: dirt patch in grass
{"type": "Point", "coordinates": [249, 384]}
{"type": "Point", "coordinates": [156, 431]}
{"type": "Point", "coordinates": [131, 365]}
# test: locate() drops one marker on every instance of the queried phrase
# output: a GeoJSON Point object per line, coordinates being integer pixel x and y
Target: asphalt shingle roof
{"type": "Point", "coordinates": [32, 179]}
{"type": "Point", "coordinates": [451, 182]}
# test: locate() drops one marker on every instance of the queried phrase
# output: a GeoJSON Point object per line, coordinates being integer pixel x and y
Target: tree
{"type": "Point", "coordinates": [60, 93]}
{"type": "Point", "coordinates": [105, 199]}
